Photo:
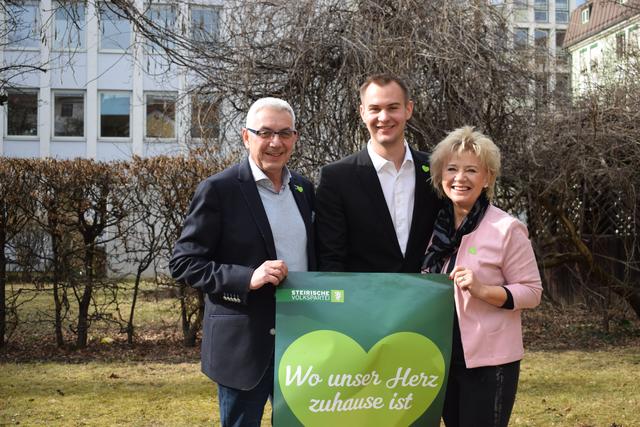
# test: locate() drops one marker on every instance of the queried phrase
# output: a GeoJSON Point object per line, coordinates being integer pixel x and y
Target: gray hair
{"type": "Point", "coordinates": [272, 103]}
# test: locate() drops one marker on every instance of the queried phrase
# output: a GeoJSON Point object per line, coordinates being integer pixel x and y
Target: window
{"type": "Point", "coordinates": [542, 46]}
{"type": "Point", "coordinates": [204, 24]}
{"type": "Point", "coordinates": [66, 109]}
{"type": "Point", "coordinates": [583, 61]}
{"type": "Point", "coordinates": [561, 54]}
{"type": "Point", "coordinates": [163, 19]}
{"type": "Point", "coordinates": [585, 15]}
{"type": "Point", "coordinates": [204, 117]}
{"type": "Point", "coordinates": [68, 114]}
{"type": "Point", "coordinates": [520, 10]}
{"type": "Point", "coordinates": [115, 30]}
{"type": "Point", "coordinates": [115, 115]}
{"type": "Point", "coordinates": [22, 113]}
{"type": "Point", "coordinates": [23, 25]}
{"type": "Point", "coordinates": [634, 40]}
{"type": "Point", "coordinates": [542, 87]}
{"type": "Point", "coordinates": [562, 11]}
{"type": "Point", "coordinates": [593, 57]}
{"type": "Point", "coordinates": [621, 44]}
{"type": "Point", "coordinates": [562, 84]}
{"type": "Point", "coordinates": [521, 38]}
{"type": "Point", "coordinates": [69, 29]}
{"type": "Point", "coordinates": [541, 11]}
{"type": "Point", "coordinates": [161, 115]}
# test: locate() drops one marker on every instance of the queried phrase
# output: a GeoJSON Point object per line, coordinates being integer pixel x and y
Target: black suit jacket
{"type": "Point", "coordinates": [354, 228]}
{"type": "Point", "coordinates": [225, 237]}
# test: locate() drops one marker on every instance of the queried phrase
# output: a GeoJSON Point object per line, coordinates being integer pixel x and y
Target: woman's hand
{"type": "Point", "coordinates": [466, 280]}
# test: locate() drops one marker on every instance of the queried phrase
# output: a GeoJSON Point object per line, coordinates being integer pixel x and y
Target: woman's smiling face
{"type": "Point", "coordinates": [463, 179]}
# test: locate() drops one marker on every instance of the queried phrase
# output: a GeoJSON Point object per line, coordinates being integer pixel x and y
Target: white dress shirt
{"type": "Point", "coordinates": [398, 187]}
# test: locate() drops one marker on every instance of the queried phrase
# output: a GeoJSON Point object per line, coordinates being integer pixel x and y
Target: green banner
{"type": "Point", "coordinates": [361, 349]}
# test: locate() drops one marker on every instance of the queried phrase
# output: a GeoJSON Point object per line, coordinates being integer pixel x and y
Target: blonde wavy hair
{"type": "Point", "coordinates": [461, 140]}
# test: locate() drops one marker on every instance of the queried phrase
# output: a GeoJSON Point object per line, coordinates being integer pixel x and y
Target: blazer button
{"type": "Point", "coordinates": [272, 331]}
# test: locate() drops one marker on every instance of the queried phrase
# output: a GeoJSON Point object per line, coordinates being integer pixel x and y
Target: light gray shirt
{"type": "Point", "coordinates": [287, 226]}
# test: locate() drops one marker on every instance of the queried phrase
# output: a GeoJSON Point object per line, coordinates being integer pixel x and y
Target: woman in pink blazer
{"type": "Point", "coordinates": [488, 255]}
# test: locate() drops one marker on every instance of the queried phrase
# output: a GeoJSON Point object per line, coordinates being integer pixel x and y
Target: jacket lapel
{"type": "Point", "coordinates": [420, 207]}
{"type": "Point", "coordinates": [371, 186]}
{"type": "Point", "coordinates": [250, 192]}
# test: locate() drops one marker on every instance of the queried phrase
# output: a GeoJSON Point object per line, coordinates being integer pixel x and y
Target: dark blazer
{"type": "Point", "coordinates": [354, 228]}
{"type": "Point", "coordinates": [226, 236]}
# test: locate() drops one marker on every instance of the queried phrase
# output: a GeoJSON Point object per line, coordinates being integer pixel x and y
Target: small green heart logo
{"type": "Point", "coordinates": [299, 188]}
{"type": "Point", "coordinates": [473, 250]}
{"type": "Point", "coordinates": [425, 168]}
{"type": "Point", "coordinates": [328, 379]}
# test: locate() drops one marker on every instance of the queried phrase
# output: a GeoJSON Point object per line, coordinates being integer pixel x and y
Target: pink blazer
{"type": "Point", "coordinates": [499, 253]}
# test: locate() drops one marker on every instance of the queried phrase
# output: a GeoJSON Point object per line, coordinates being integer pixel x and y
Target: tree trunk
{"type": "Point", "coordinates": [57, 276]}
{"type": "Point", "coordinates": [190, 328]}
{"type": "Point", "coordinates": [134, 299]}
{"type": "Point", "coordinates": [3, 285]}
{"type": "Point", "coordinates": [85, 301]}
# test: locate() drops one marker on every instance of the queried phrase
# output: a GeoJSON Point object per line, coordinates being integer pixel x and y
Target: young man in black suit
{"type": "Point", "coordinates": [246, 228]}
{"type": "Point", "coordinates": [375, 209]}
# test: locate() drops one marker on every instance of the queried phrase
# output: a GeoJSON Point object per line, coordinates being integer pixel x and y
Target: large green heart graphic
{"type": "Point", "coordinates": [327, 379]}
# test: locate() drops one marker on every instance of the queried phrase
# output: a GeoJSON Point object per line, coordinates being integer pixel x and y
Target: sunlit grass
{"type": "Point", "coordinates": [106, 394]}
{"type": "Point", "coordinates": [579, 388]}
{"type": "Point", "coordinates": [572, 388]}
{"type": "Point", "coordinates": [160, 384]}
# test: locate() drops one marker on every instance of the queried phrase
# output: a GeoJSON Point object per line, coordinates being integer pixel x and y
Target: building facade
{"type": "Point", "coordinates": [602, 37]}
{"type": "Point", "coordinates": [92, 86]}
{"type": "Point", "coordinates": [542, 24]}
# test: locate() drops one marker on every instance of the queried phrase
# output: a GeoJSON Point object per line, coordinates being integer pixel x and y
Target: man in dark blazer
{"type": "Point", "coordinates": [375, 209]}
{"type": "Point", "coordinates": [247, 226]}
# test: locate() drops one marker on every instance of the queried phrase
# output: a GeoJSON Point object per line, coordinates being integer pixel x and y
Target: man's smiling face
{"type": "Point", "coordinates": [385, 111]}
{"type": "Point", "coordinates": [270, 154]}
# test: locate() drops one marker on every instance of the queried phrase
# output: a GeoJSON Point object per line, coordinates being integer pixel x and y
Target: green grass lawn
{"type": "Point", "coordinates": [573, 375]}
{"type": "Point", "coordinates": [557, 388]}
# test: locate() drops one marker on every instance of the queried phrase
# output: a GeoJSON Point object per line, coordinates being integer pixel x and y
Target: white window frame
{"type": "Point", "coordinates": [633, 39]}
{"type": "Point", "coordinates": [527, 41]}
{"type": "Point", "coordinates": [152, 48]}
{"type": "Point", "coordinates": [537, 9]}
{"type": "Point", "coordinates": [11, 46]}
{"type": "Point", "coordinates": [114, 138]}
{"type": "Point", "coordinates": [74, 92]}
{"type": "Point", "coordinates": [193, 6]}
{"type": "Point", "coordinates": [562, 9]}
{"type": "Point", "coordinates": [174, 94]}
{"type": "Point", "coordinates": [192, 101]}
{"type": "Point", "coordinates": [55, 4]}
{"type": "Point", "coordinates": [111, 50]}
{"type": "Point", "coordinates": [30, 90]}
{"type": "Point", "coordinates": [521, 7]}
{"type": "Point", "coordinates": [585, 15]}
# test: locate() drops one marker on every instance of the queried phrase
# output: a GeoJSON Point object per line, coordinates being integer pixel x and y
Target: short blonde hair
{"type": "Point", "coordinates": [462, 140]}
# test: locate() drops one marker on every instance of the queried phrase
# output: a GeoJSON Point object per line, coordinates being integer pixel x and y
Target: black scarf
{"type": "Point", "coordinates": [446, 239]}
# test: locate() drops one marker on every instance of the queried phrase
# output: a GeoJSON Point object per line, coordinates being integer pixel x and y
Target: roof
{"type": "Point", "coordinates": [604, 14]}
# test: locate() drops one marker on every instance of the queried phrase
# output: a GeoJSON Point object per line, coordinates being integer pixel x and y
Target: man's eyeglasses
{"type": "Point", "coordinates": [268, 133]}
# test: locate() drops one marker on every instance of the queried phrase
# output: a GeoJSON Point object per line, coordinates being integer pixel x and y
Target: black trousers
{"type": "Point", "coordinates": [480, 397]}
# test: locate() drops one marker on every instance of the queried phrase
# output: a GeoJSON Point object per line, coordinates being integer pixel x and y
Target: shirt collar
{"type": "Point", "coordinates": [259, 176]}
{"type": "Point", "coordinates": [379, 162]}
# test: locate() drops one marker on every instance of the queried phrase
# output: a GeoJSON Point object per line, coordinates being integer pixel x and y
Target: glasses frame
{"type": "Point", "coordinates": [284, 134]}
